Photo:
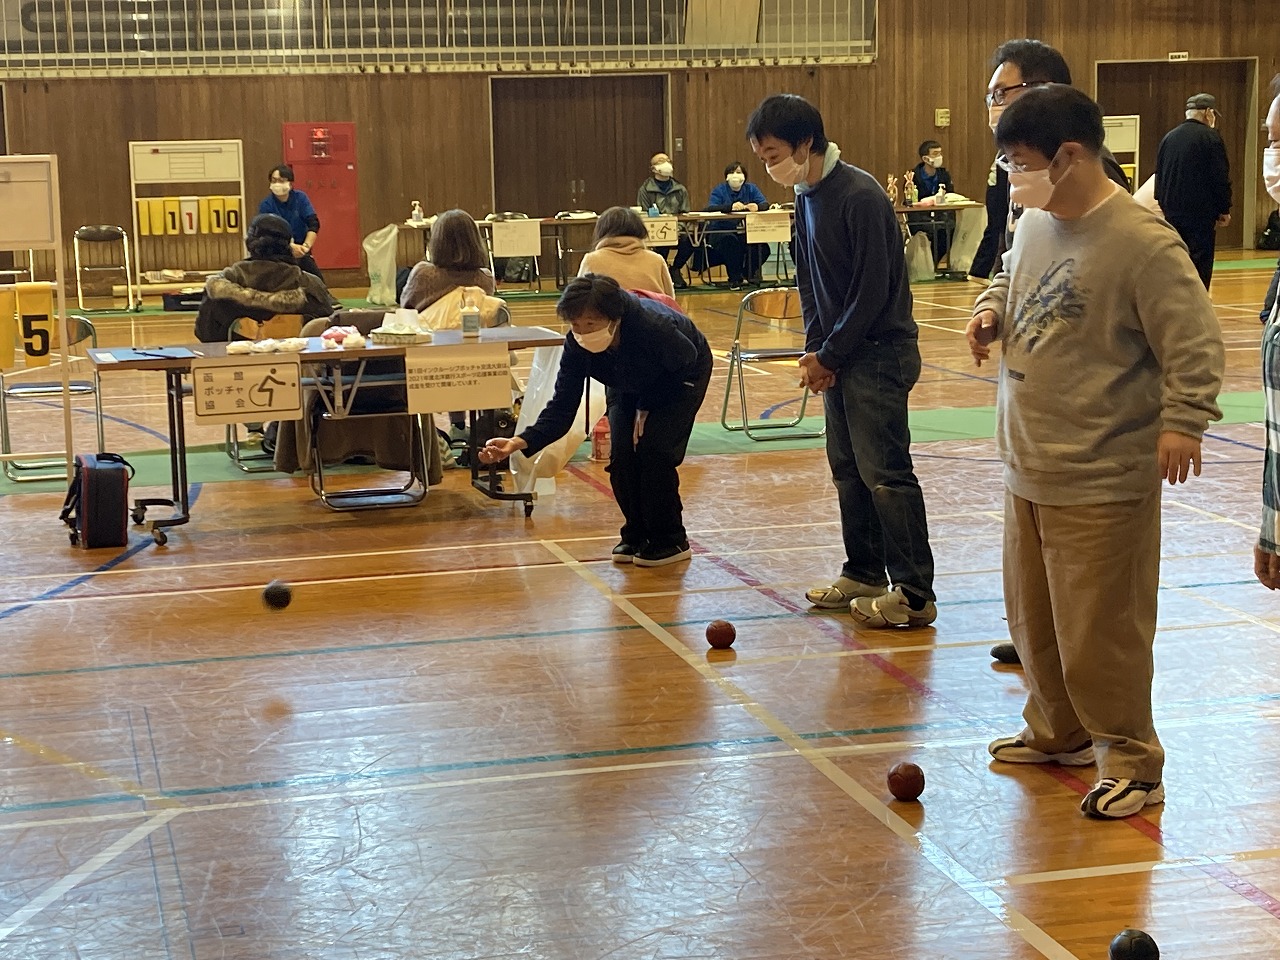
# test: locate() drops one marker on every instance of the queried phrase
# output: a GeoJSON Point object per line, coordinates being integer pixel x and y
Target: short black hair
{"type": "Point", "coordinates": [592, 292]}
{"type": "Point", "coordinates": [789, 117]}
{"type": "Point", "coordinates": [1038, 62]}
{"type": "Point", "coordinates": [927, 146]}
{"type": "Point", "coordinates": [736, 165]}
{"type": "Point", "coordinates": [1046, 117]}
{"type": "Point", "coordinates": [284, 171]}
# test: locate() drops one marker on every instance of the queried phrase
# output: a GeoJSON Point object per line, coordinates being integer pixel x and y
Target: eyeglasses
{"type": "Point", "coordinates": [1008, 166]}
{"type": "Point", "coordinates": [999, 96]}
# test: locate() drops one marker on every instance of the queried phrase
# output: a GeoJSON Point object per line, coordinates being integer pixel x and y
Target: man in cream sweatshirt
{"type": "Point", "coordinates": [1111, 362]}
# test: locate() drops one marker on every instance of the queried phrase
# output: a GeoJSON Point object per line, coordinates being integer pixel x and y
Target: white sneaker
{"type": "Point", "coordinates": [1015, 750]}
{"type": "Point", "coordinates": [892, 610]}
{"type": "Point", "coordinates": [842, 593]}
{"type": "Point", "coordinates": [1114, 798]}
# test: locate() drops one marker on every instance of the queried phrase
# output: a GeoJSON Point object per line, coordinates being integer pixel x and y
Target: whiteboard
{"type": "Point", "coordinates": [1121, 133]}
{"type": "Point", "coordinates": [27, 208]}
{"type": "Point", "coordinates": [185, 161]}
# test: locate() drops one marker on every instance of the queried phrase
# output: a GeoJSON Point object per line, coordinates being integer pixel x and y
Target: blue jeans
{"type": "Point", "coordinates": [882, 516]}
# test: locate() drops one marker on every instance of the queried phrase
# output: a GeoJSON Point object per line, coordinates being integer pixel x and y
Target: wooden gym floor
{"type": "Point", "coordinates": [471, 736]}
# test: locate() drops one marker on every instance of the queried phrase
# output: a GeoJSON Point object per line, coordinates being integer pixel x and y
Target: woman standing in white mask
{"type": "Point", "coordinates": [655, 365]}
{"type": "Point", "coordinates": [1266, 554]}
{"type": "Point", "coordinates": [295, 208]}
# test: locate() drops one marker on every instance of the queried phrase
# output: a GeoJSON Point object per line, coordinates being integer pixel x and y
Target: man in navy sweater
{"type": "Point", "coordinates": [862, 356]}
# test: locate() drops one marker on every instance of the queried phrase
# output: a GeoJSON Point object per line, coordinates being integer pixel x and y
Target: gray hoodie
{"type": "Point", "coordinates": [1108, 338]}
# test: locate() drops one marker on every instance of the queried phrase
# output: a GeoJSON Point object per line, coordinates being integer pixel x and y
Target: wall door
{"type": "Point", "coordinates": [1157, 91]}
{"type": "Point", "coordinates": [575, 143]}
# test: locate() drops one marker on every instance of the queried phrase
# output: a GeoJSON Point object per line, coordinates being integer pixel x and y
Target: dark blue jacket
{"type": "Point", "coordinates": [850, 267]}
{"type": "Point", "coordinates": [657, 353]}
{"type": "Point", "coordinates": [723, 197]}
{"type": "Point", "coordinates": [296, 209]}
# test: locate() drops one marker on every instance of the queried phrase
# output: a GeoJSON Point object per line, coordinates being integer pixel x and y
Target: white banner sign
{"type": "Point", "coordinates": [771, 227]}
{"type": "Point", "coordinates": [663, 231]}
{"type": "Point", "coordinates": [517, 238]}
{"type": "Point", "coordinates": [247, 388]}
{"type": "Point", "coordinates": [471, 376]}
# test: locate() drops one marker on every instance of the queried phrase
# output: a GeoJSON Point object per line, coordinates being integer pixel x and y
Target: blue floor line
{"type": "Point", "coordinates": [74, 582]}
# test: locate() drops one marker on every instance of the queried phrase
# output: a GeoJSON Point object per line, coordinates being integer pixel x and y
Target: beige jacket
{"type": "Point", "coordinates": [627, 260]}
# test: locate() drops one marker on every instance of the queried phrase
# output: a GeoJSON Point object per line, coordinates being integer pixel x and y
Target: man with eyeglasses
{"type": "Point", "coordinates": [1022, 65]}
{"type": "Point", "coordinates": [1193, 181]}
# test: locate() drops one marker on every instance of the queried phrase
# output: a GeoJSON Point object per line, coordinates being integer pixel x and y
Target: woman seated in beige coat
{"type": "Point", "coordinates": [619, 252]}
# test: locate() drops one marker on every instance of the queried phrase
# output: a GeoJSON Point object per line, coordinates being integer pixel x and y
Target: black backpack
{"type": "Point", "coordinates": [97, 504]}
{"type": "Point", "coordinates": [1270, 239]}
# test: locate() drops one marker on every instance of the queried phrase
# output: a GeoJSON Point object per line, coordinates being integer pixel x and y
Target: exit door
{"type": "Point", "coordinates": [323, 157]}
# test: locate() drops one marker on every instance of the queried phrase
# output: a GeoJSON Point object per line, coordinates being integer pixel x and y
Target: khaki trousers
{"type": "Point", "coordinates": [1080, 587]}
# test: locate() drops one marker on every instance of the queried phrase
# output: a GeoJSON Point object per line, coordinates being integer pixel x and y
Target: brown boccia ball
{"type": "Point", "coordinates": [906, 782]}
{"type": "Point", "coordinates": [721, 634]}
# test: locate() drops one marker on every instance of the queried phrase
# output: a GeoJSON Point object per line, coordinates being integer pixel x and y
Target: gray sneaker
{"type": "Point", "coordinates": [843, 592]}
{"type": "Point", "coordinates": [892, 610]}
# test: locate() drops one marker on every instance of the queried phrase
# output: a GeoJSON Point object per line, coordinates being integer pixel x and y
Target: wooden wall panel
{"type": "Point", "coordinates": [427, 137]}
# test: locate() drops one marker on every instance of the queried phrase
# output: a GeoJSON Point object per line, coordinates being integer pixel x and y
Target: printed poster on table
{"type": "Point", "coordinates": [247, 389]}
{"type": "Point", "coordinates": [663, 231]}
{"type": "Point", "coordinates": [470, 376]}
{"type": "Point", "coordinates": [771, 227]}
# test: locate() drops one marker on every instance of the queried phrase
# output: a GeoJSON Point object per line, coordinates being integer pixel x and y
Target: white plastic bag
{"type": "Point", "coordinates": [971, 223]}
{"type": "Point", "coordinates": [540, 469]}
{"type": "Point", "coordinates": [380, 254]}
{"type": "Point", "coordinates": [920, 258]}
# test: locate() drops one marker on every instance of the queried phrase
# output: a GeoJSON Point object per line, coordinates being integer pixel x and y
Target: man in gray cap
{"type": "Point", "coordinates": [1193, 181]}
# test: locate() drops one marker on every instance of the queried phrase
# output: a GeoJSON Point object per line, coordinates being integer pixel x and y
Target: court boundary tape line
{"type": "Point", "coordinates": [942, 861]}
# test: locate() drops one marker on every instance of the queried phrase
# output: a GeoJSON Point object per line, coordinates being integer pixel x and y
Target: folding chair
{"type": "Point", "coordinates": [16, 273]}
{"type": "Point", "coordinates": [280, 326]}
{"type": "Point", "coordinates": [102, 233]}
{"type": "Point", "coordinates": [764, 306]}
{"type": "Point", "coordinates": [365, 390]}
{"type": "Point", "coordinates": [12, 389]}
{"type": "Point", "coordinates": [535, 279]}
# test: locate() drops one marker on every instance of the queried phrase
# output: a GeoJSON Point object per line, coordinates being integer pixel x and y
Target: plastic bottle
{"type": "Point", "coordinates": [470, 317]}
{"type": "Point", "coordinates": [601, 442]}
{"type": "Point", "coordinates": [417, 216]}
{"type": "Point", "coordinates": [653, 210]}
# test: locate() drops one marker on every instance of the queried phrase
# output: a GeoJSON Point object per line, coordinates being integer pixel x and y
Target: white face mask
{"type": "Point", "coordinates": [1271, 171]}
{"type": "Point", "coordinates": [788, 171]}
{"type": "Point", "coordinates": [663, 171]}
{"type": "Point", "coordinates": [281, 190]}
{"type": "Point", "coordinates": [1032, 189]}
{"type": "Point", "coordinates": [993, 116]}
{"type": "Point", "coordinates": [736, 180]}
{"type": "Point", "coordinates": [597, 341]}
{"type": "Point", "coordinates": [935, 162]}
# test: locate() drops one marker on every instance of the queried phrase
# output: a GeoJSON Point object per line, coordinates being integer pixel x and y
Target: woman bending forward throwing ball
{"type": "Point", "coordinates": [655, 365]}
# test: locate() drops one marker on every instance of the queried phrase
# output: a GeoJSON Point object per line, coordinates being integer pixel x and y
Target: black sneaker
{"type": "Point", "coordinates": [624, 553]}
{"type": "Point", "coordinates": [661, 556]}
{"type": "Point", "coordinates": [1114, 798]}
{"type": "Point", "coordinates": [1006, 653]}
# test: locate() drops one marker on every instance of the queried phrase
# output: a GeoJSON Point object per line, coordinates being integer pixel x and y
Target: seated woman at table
{"type": "Point", "coordinates": [728, 238]}
{"type": "Point", "coordinates": [618, 251]}
{"type": "Point", "coordinates": [456, 257]}
{"type": "Point", "coordinates": [268, 283]}
{"type": "Point", "coordinates": [655, 365]}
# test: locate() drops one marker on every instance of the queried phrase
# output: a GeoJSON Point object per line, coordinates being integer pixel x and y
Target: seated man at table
{"type": "Point", "coordinates": [931, 177]}
{"type": "Point", "coordinates": [268, 283]}
{"type": "Point", "coordinates": [663, 195]}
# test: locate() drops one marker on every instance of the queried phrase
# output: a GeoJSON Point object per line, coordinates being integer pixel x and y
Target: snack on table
{"type": "Point", "coordinates": [238, 347]}
{"type": "Point", "coordinates": [342, 338]}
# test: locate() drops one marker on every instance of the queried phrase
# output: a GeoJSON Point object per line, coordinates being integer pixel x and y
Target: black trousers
{"type": "Point", "coordinates": [1200, 235]}
{"type": "Point", "coordinates": [741, 260]}
{"type": "Point", "coordinates": [308, 265]}
{"type": "Point", "coordinates": [644, 477]}
{"type": "Point", "coordinates": [984, 260]}
{"type": "Point", "coordinates": [683, 249]}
